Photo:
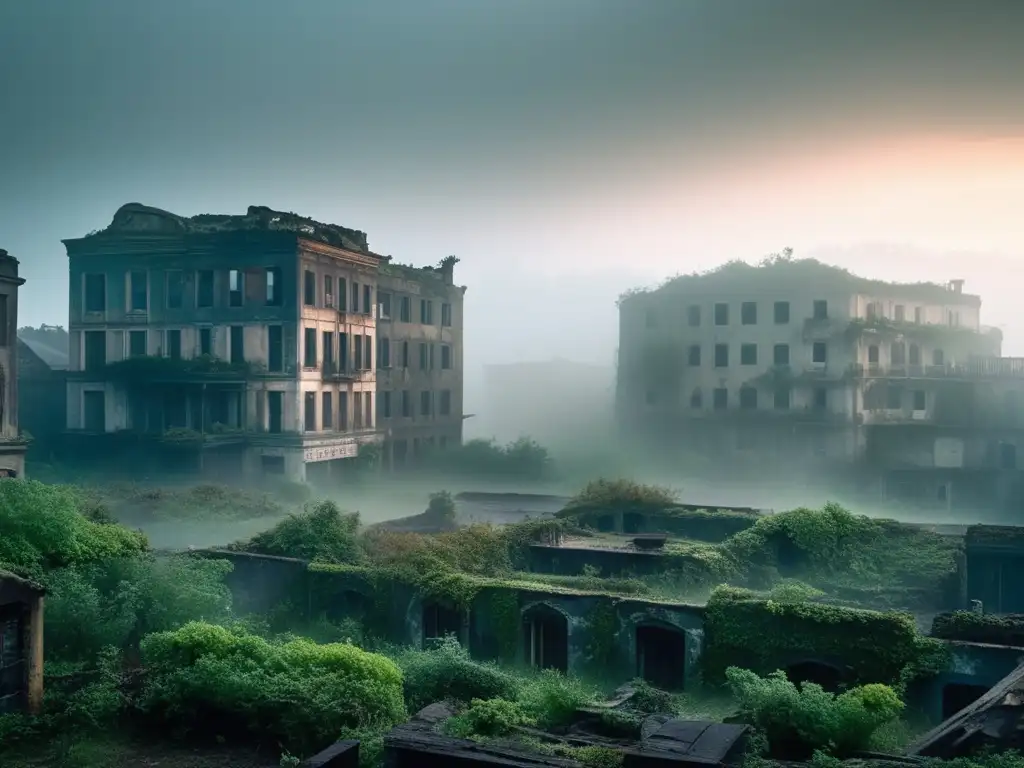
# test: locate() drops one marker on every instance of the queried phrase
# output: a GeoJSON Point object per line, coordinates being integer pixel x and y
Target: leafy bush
{"type": "Point", "coordinates": [41, 527]}
{"type": "Point", "coordinates": [298, 693]}
{"type": "Point", "coordinates": [488, 718]}
{"type": "Point", "coordinates": [553, 698]}
{"type": "Point", "coordinates": [116, 602]}
{"type": "Point", "coordinates": [523, 459]}
{"type": "Point", "coordinates": [623, 493]}
{"type": "Point", "coordinates": [442, 505]}
{"type": "Point", "coordinates": [799, 721]}
{"type": "Point", "coordinates": [320, 532]}
{"type": "Point", "coordinates": [445, 672]}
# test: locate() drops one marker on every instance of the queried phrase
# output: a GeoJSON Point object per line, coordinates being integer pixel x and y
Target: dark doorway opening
{"type": "Point", "coordinates": [546, 639]}
{"type": "Point", "coordinates": [661, 657]}
{"type": "Point", "coordinates": [825, 675]}
{"type": "Point", "coordinates": [606, 523]}
{"type": "Point", "coordinates": [353, 605]}
{"type": "Point", "coordinates": [632, 522]}
{"type": "Point", "coordinates": [272, 465]}
{"type": "Point", "coordinates": [440, 621]}
{"type": "Point", "coordinates": [957, 696]}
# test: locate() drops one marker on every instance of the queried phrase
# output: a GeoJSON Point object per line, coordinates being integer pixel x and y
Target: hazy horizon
{"type": "Point", "coordinates": [564, 152]}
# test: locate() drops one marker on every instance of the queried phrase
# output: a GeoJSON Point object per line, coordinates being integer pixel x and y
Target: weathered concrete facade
{"type": "Point", "coordinates": [255, 333]}
{"type": "Point", "coordinates": [12, 446]}
{"type": "Point", "coordinates": [419, 360]}
{"type": "Point", "coordinates": [799, 362]}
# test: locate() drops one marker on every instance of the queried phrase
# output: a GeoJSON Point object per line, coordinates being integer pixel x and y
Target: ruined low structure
{"type": "Point", "coordinates": [795, 365]}
{"type": "Point", "coordinates": [259, 340]}
{"type": "Point", "coordinates": [21, 644]}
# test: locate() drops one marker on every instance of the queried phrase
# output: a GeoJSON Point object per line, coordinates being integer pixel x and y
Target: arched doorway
{"type": "Point", "coordinates": [440, 621]}
{"type": "Point", "coordinates": [546, 638]}
{"type": "Point", "coordinates": [661, 656]}
{"type": "Point", "coordinates": [957, 696]}
{"type": "Point", "coordinates": [825, 675]}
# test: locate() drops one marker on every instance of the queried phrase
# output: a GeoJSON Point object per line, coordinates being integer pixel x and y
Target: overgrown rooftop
{"type": "Point", "coordinates": [783, 273]}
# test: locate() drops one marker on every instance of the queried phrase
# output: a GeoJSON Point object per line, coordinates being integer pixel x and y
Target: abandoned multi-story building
{"type": "Point", "coordinates": [801, 363]}
{"type": "Point", "coordinates": [256, 335]}
{"type": "Point", "coordinates": [12, 443]}
{"type": "Point", "coordinates": [419, 360]}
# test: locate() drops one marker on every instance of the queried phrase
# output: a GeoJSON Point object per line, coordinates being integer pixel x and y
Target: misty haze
{"type": "Point", "coordinates": [547, 385]}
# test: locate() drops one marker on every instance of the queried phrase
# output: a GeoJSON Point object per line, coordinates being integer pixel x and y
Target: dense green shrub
{"type": "Point", "coordinates": [116, 602]}
{"type": "Point", "coordinates": [297, 693]}
{"type": "Point", "coordinates": [488, 718]}
{"type": "Point", "coordinates": [445, 672]}
{"type": "Point", "coordinates": [320, 532]}
{"type": "Point", "coordinates": [623, 493]}
{"type": "Point", "coordinates": [553, 698]}
{"type": "Point", "coordinates": [41, 528]}
{"type": "Point", "coordinates": [523, 459]}
{"type": "Point", "coordinates": [798, 721]}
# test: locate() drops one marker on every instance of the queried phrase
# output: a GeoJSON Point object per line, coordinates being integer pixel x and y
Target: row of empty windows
{"type": "Point", "coordinates": [749, 354]}
{"type": "Point", "coordinates": [748, 313]}
{"type": "Point", "coordinates": [403, 405]}
{"type": "Point", "coordinates": [361, 349]}
{"type": "Point", "coordinates": [191, 289]}
{"type": "Point", "coordinates": [901, 353]}
{"type": "Point", "coordinates": [319, 291]}
{"type": "Point", "coordinates": [748, 397]}
{"type": "Point", "coordinates": [329, 419]}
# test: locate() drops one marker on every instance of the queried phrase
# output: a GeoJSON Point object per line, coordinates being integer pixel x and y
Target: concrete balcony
{"type": "Point", "coordinates": [335, 372]}
{"type": "Point", "coordinates": [977, 368]}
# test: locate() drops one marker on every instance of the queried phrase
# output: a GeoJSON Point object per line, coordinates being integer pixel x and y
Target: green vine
{"type": "Point", "coordinates": [504, 612]}
{"type": "Point", "coordinates": [602, 647]}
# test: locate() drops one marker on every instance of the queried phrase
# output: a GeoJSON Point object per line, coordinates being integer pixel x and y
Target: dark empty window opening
{"type": "Point", "coordinates": [275, 349]}
{"type": "Point", "coordinates": [819, 353]}
{"type": "Point", "coordinates": [696, 399]}
{"type": "Point", "coordinates": [95, 293]}
{"type": "Point", "coordinates": [914, 354]}
{"type": "Point", "coordinates": [825, 675]}
{"type": "Point", "coordinates": [327, 344]}
{"type": "Point", "coordinates": [204, 288]}
{"type": "Point", "coordinates": [721, 355]}
{"type": "Point", "coordinates": [205, 341]}
{"type": "Point", "coordinates": [352, 605]}
{"type": "Point", "coordinates": [781, 312]}
{"type": "Point", "coordinates": [446, 315]}
{"type": "Point", "coordinates": [632, 522]}
{"type": "Point", "coordinates": [693, 355]}
{"type": "Point", "coordinates": [175, 289]}
{"type": "Point", "coordinates": [174, 344]}
{"type": "Point", "coordinates": [309, 348]}
{"type": "Point", "coordinates": [920, 400]}
{"type": "Point", "coordinates": [309, 411]}
{"type": "Point", "coordinates": [405, 309]}
{"type": "Point", "coordinates": [446, 357]}
{"type": "Point", "coordinates": [139, 291]}
{"type": "Point", "coordinates": [957, 696]}
{"type": "Point", "coordinates": [748, 313]}
{"type": "Point", "coordinates": [820, 309]}
{"type": "Point", "coordinates": [237, 344]}
{"type": "Point", "coordinates": [780, 355]}
{"type": "Point", "coordinates": [748, 354]}
{"type": "Point", "coordinates": [661, 657]}
{"type": "Point", "coordinates": [328, 291]}
{"type": "Point", "coordinates": [275, 412]}
{"type": "Point", "coordinates": [136, 343]}
{"type": "Point", "coordinates": [274, 293]}
{"type": "Point", "coordinates": [938, 358]}
{"type": "Point", "coordinates": [95, 350]}
{"type": "Point", "coordinates": [894, 398]}
{"type": "Point", "coordinates": [235, 288]}
{"type": "Point", "coordinates": [440, 621]}
{"type": "Point", "coordinates": [873, 355]}
{"type": "Point", "coordinates": [721, 314]}
{"type": "Point", "coordinates": [309, 288]}
{"type": "Point", "coordinates": [367, 299]}
{"type": "Point", "coordinates": [354, 309]}
{"type": "Point", "coordinates": [546, 639]}
{"type": "Point", "coordinates": [693, 316]}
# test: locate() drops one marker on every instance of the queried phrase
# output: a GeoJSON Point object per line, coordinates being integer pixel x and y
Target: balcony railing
{"type": "Point", "coordinates": [336, 372]}
{"type": "Point", "coordinates": [977, 368]}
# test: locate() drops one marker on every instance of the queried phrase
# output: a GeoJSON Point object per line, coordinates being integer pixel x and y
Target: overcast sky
{"type": "Point", "coordinates": [564, 149]}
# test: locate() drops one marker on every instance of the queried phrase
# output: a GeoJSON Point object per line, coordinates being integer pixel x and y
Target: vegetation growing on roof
{"type": "Point", "coordinates": [783, 271]}
{"type": "Point", "coordinates": [875, 647]}
{"type": "Point", "coordinates": [143, 368]}
{"type": "Point", "coordinates": [971, 627]}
